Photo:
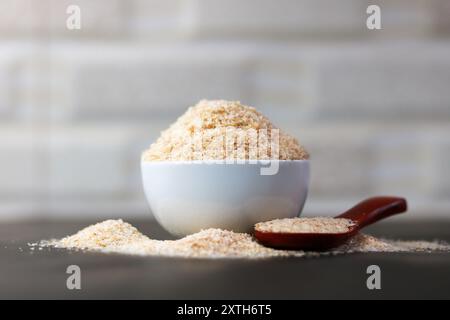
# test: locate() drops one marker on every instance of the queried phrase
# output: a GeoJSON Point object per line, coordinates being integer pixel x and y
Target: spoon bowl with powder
{"type": "Point", "coordinates": [320, 234]}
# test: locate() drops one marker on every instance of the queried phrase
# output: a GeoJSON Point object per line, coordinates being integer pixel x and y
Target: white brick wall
{"type": "Point", "coordinates": [125, 84]}
{"type": "Point", "coordinates": [353, 160]}
{"type": "Point", "coordinates": [192, 19]}
{"type": "Point", "coordinates": [402, 164]}
{"type": "Point", "coordinates": [385, 81]}
{"type": "Point", "coordinates": [20, 17]}
{"type": "Point", "coordinates": [341, 159]}
{"type": "Point", "coordinates": [410, 18]}
{"type": "Point", "coordinates": [355, 81]}
{"type": "Point", "coordinates": [161, 20]}
{"type": "Point", "coordinates": [88, 162]}
{"type": "Point", "coordinates": [19, 164]}
{"type": "Point", "coordinates": [7, 85]}
{"type": "Point", "coordinates": [438, 145]}
{"type": "Point", "coordinates": [442, 8]}
{"type": "Point", "coordinates": [43, 18]}
{"type": "Point", "coordinates": [285, 18]}
{"type": "Point", "coordinates": [283, 82]}
{"type": "Point", "coordinates": [97, 160]}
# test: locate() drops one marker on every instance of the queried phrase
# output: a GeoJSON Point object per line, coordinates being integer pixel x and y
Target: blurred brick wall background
{"type": "Point", "coordinates": [77, 107]}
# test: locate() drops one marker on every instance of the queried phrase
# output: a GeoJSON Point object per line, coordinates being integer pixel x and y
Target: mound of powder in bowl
{"type": "Point", "coordinates": [219, 130]}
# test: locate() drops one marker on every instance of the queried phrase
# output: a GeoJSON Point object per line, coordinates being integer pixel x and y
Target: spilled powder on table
{"type": "Point", "coordinates": [117, 236]}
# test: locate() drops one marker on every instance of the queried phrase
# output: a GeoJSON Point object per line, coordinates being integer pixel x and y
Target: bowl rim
{"type": "Point", "coordinates": [216, 162]}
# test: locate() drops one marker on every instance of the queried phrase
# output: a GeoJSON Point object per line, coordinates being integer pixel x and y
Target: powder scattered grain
{"type": "Point", "coordinates": [117, 236]}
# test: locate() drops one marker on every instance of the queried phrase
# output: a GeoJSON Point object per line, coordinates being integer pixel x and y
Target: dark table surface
{"type": "Point", "coordinates": [42, 274]}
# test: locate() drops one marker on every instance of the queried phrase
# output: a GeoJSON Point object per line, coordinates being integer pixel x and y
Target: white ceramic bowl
{"type": "Point", "coordinates": [186, 197]}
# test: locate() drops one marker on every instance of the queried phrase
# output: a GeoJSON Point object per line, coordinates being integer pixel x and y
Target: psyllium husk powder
{"type": "Point", "coordinates": [224, 130]}
{"type": "Point", "coordinates": [117, 236]}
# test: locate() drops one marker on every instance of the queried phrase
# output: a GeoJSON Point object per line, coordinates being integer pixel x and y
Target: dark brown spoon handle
{"type": "Point", "coordinates": [374, 209]}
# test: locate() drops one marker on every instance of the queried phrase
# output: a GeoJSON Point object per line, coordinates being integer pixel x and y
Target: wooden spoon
{"type": "Point", "coordinates": [363, 214]}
